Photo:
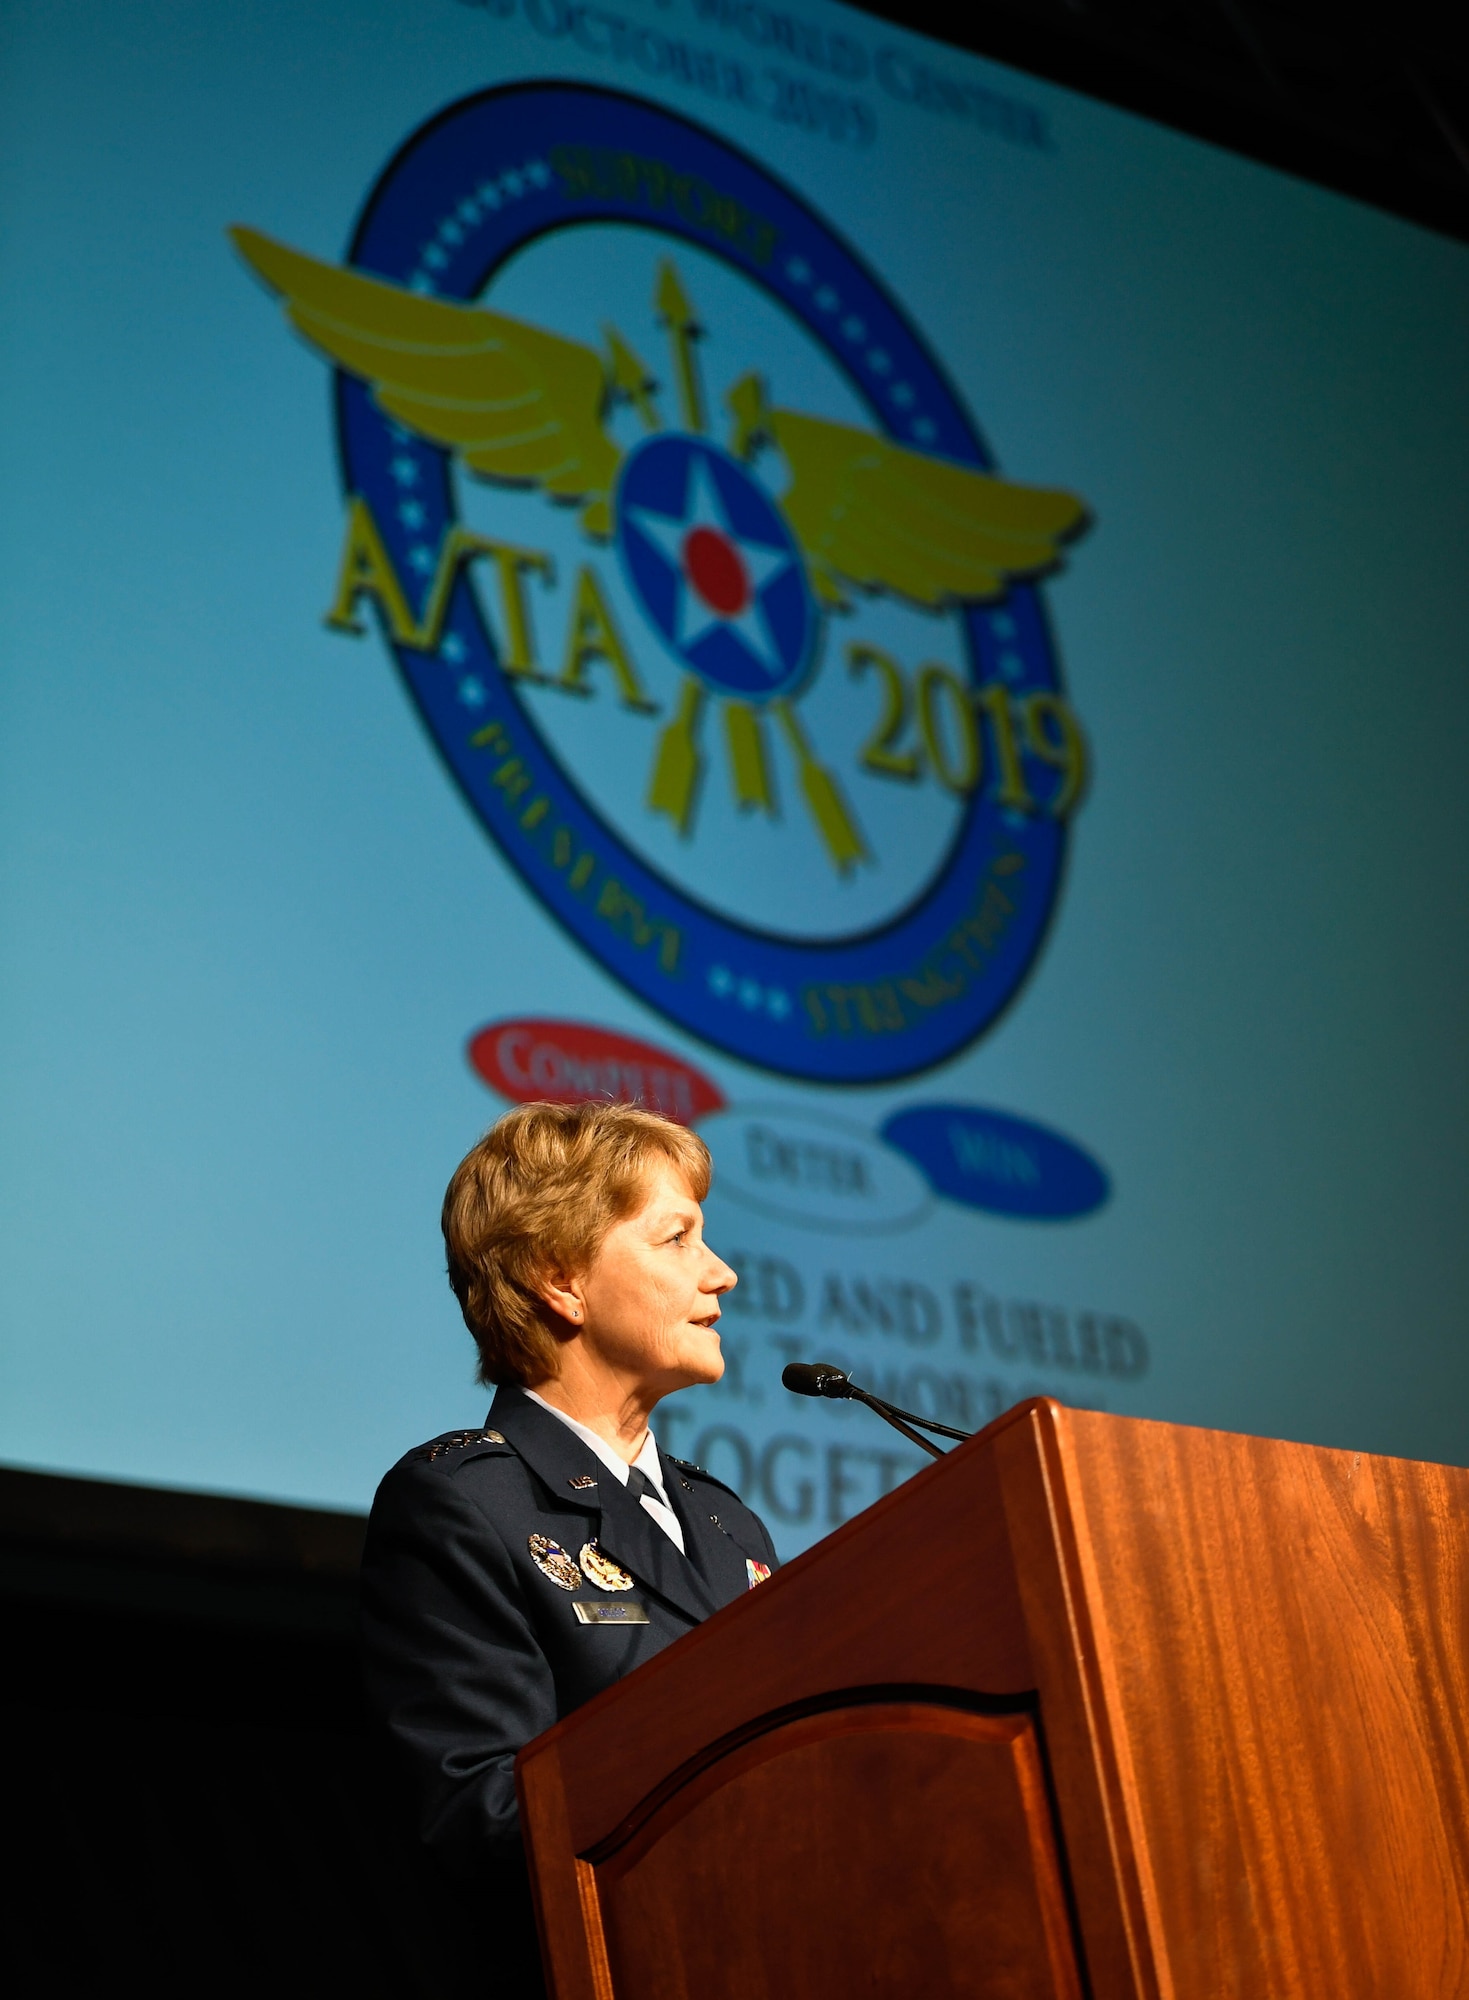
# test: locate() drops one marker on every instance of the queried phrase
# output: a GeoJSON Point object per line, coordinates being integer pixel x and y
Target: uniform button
{"type": "Point", "coordinates": [715, 1519]}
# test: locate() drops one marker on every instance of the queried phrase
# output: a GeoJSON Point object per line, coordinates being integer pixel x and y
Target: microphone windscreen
{"type": "Point", "coordinates": [810, 1378]}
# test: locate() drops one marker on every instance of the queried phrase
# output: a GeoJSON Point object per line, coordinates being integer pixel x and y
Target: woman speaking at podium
{"type": "Point", "coordinates": [512, 1572]}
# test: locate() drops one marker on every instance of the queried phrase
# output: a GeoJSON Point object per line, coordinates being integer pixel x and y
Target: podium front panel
{"type": "Point", "coordinates": [766, 1869]}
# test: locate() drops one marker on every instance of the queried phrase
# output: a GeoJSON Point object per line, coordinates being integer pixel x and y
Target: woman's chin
{"type": "Point", "coordinates": [703, 1361]}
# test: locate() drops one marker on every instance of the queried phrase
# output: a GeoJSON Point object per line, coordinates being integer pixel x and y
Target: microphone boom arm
{"type": "Point", "coordinates": [928, 1423]}
{"type": "Point", "coordinates": [819, 1378]}
{"type": "Point", "coordinates": [891, 1417]}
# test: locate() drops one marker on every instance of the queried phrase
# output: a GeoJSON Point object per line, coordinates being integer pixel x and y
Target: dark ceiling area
{"type": "Point", "coordinates": [1372, 101]}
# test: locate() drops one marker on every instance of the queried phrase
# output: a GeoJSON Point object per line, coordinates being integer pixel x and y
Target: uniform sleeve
{"type": "Point", "coordinates": [451, 1663]}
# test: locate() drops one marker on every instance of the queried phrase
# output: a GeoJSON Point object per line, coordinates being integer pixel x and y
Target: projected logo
{"type": "Point", "coordinates": [762, 705]}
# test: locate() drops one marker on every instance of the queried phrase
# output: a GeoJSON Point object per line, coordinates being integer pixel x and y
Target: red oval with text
{"type": "Point", "coordinates": [572, 1062]}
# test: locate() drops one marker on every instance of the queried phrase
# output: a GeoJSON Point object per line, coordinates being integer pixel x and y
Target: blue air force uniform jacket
{"type": "Point", "coordinates": [471, 1648]}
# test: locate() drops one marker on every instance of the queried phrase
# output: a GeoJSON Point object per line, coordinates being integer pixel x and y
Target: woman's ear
{"type": "Point", "coordinates": [563, 1296]}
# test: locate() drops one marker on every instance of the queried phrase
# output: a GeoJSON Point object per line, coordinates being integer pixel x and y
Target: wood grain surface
{"type": "Point", "coordinates": [1107, 1874]}
{"type": "Point", "coordinates": [770, 1875]}
{"type": "Point", "coordinates": [1246, 1668]}
{"type": "Point", "coordinates": [1281, 1640]}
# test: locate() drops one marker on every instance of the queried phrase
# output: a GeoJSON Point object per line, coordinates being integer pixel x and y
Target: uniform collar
{"type": "Point", "coordinates": [624, 1531]}
{"type": "Point", "coordinates": [648, 1460]}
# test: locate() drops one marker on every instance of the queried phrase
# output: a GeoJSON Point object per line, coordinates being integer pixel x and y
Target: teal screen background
{"type": "Point", "coordinates": [249, 924]}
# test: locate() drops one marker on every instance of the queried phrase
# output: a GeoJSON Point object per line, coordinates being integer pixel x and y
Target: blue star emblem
{"type": "Point", "coordinates": [711, 561]}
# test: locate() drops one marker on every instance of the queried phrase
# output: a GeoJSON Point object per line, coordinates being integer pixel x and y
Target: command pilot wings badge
{"type": "Point", "coordinates": [764, 705]}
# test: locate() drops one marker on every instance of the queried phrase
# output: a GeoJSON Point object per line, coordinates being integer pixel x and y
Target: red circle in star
{"type": "Point", "coordinates": [713, 566]}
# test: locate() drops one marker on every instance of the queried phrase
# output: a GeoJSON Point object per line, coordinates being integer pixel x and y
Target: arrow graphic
{"type": "Point", "coordinates": [678, 315]}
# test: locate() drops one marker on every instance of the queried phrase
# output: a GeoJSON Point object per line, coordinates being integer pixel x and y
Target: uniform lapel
{"type": "Point", "coordinates": [630, 1533]}
{"type": "Point", "coordinates": [717, 1554]}
{"type": "Point", "coordinates": [623, 1529]}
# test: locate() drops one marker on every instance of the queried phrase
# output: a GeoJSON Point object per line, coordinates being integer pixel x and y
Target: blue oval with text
{"type": "Point", "coordinates": [991, 1160]}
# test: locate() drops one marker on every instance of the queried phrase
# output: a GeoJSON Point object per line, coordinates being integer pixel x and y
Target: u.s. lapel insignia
{"type": "Point", "coordinates": [602, 1571]}
{"type": "Point", "coordinates": [756, 1572]}
{"type": "Point", "coordinates": [552, 1560]}
{"type": "Point", "coordinates": [581, 1480]}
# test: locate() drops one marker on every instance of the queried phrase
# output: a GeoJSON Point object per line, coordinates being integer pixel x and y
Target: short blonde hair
{"type": "Point", "coordinates": [533, 1200]}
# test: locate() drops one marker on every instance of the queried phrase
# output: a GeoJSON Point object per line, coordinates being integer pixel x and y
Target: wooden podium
{"type": "Point", "coordinates": [1094, 1707]}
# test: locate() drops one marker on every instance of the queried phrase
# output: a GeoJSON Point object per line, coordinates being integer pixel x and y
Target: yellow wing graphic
{"type": "Point", "coordinates": [517, 404]}
{"type": "Point", "coordinates": [874, 514]}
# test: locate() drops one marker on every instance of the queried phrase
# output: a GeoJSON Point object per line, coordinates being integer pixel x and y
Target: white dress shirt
{"type": "Point", "coordinates": [647, 1462]}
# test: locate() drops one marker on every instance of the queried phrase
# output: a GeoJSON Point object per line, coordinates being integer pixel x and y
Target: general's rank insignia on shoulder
{"type": "Point", "coordinates": [756, 1572]}
{"type": "Point", "coordinates": [552, 1560]}
{"type": "Point", "coordinates": [603, 1571]}
{"type": "Point", "coordinates": [456, 1441]}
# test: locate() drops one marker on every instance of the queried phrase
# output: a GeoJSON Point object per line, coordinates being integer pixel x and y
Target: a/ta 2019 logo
{"type": "Point", "coordinates": [763, 705]}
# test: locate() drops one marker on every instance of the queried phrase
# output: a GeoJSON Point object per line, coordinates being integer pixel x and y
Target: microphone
{"type": "Point", "coordinates": [819, 1378]}
{"type": "Point", "coordinates": [815, 1378]}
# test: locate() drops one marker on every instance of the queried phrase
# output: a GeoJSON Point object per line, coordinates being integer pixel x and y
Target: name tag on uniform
{"type": "Point", "coordinates": [623, 1612]}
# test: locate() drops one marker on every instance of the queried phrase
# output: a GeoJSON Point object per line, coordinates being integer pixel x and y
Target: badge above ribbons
{"type": "Point", "coordinates": [736, 584]}
{"type": "Point", "coordinates": [552, 1560]}
{"type": "Point", "coordinates": [601, 1570]}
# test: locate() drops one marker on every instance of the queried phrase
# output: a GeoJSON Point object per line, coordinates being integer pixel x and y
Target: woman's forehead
{"type": "Point", "coordinates": [665, 1186]}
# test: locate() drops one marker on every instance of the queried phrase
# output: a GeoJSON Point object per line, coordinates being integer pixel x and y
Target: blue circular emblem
{"type": "Point", "coordinates": [715, 567]}
{"type": "Point", "coordinates": [723, 561]}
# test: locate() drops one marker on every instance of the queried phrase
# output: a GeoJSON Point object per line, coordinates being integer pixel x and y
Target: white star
{"type": "Point", "coordinates": [694, 616]}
